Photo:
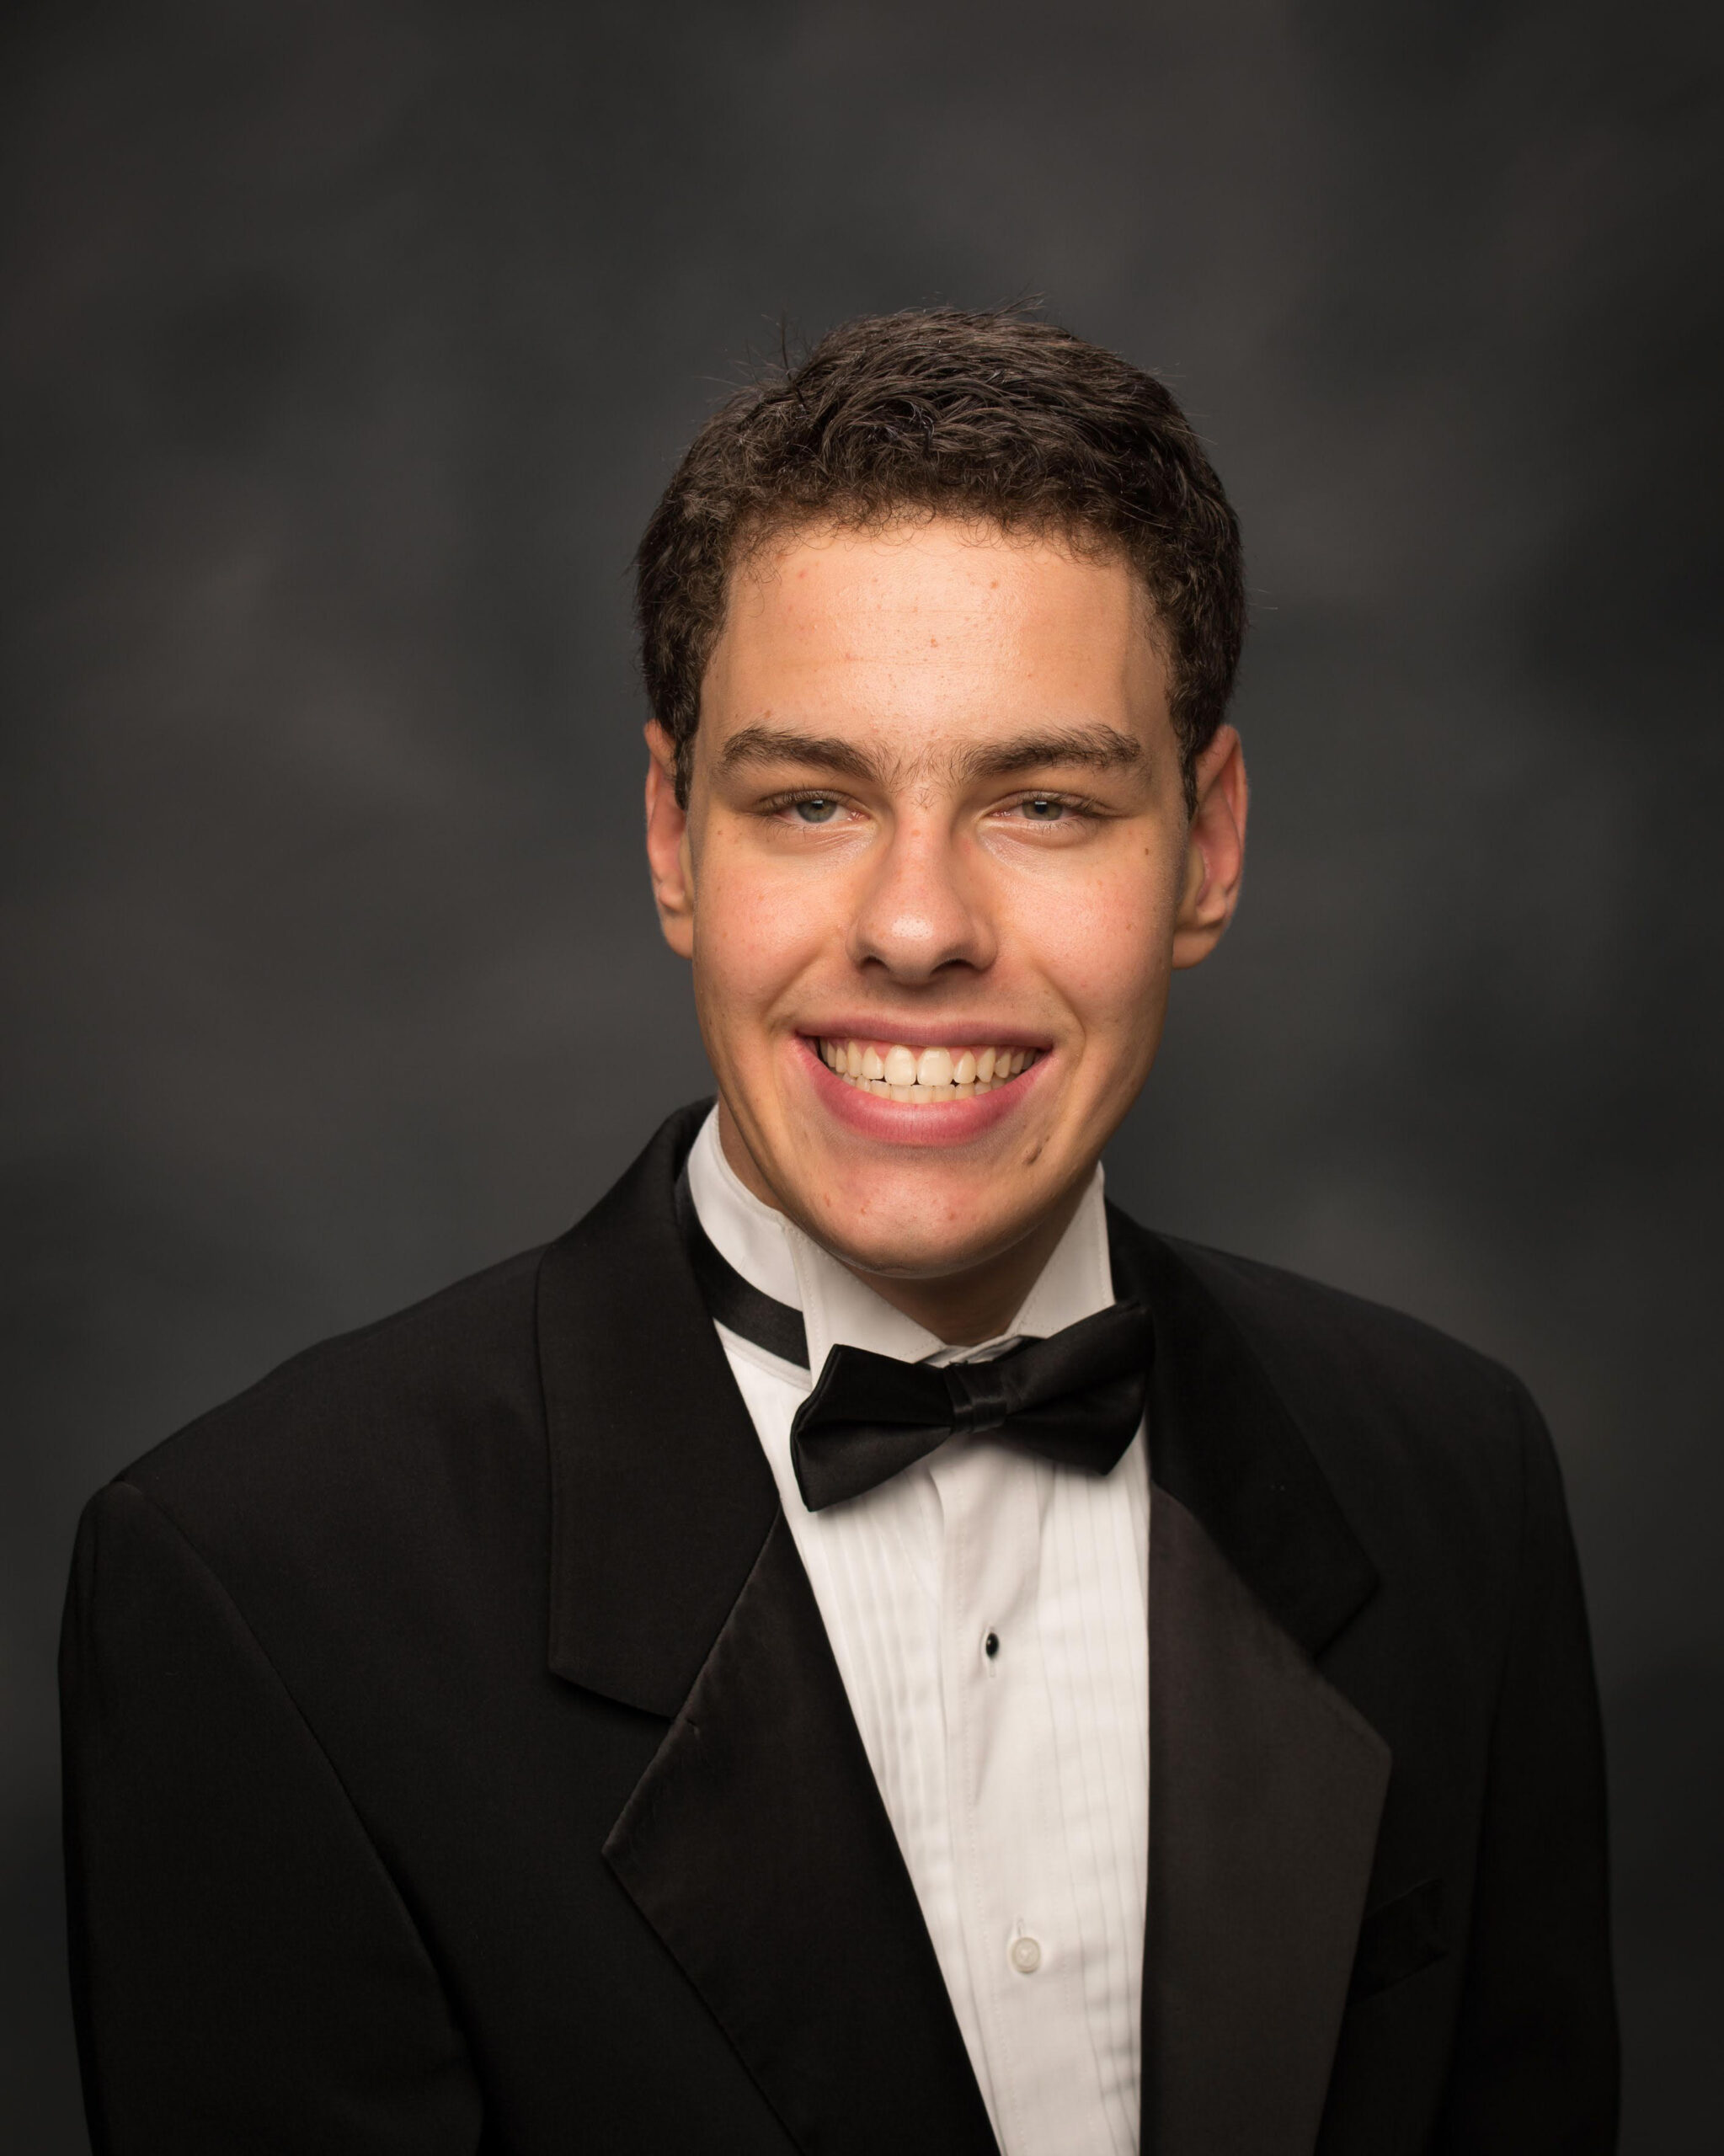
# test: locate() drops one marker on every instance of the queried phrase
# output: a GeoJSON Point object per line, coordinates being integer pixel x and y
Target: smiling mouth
{"type": "Point", "coordinates": [928, 1075]}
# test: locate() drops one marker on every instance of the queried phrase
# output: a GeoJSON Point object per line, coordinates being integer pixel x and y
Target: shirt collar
{"type": "Point", "coordinates": [772, 1254]}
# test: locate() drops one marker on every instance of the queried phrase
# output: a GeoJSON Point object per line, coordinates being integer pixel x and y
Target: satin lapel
{"type": "Point", "coordinates": [1222, 1441]}
{"type": "Point", "coordinates": [660, 1495]}
{"type": "Point", "coordinates": [1266, 1785]}
{"type": "Point", "coordinates": [756, 1844]}
{"type": "Point", "coordinates": [758, 1849]}
{"type": "Point", "coordinates": [1266, 1788]}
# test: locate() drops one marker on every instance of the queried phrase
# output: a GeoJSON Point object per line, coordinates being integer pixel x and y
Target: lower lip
{"type": "Point", "coordinates": [913, 1123]}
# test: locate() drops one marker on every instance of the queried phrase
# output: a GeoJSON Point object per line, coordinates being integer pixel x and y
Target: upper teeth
{"type": "Point", "coordinates": [927, 1074]}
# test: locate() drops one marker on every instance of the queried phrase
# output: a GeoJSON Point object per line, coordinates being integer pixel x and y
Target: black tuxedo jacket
{"type": "Point", "coordinates": [456, 1761]}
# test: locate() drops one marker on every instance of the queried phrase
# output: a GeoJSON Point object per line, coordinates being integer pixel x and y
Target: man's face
{"type": "Point", "coordinates": [935, 873]}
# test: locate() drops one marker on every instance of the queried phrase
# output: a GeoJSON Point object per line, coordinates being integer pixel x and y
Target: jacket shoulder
{"type": "Point", "coordinates": [1405, 1420]}
{"type": "Point", "coordinates": [1319, 1331]}
{"type": "Point", "coordinates": [361, 1419]}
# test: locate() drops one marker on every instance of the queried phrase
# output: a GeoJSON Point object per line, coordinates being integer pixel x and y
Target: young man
{"type": "Point", "coordinates": [858, 1646]}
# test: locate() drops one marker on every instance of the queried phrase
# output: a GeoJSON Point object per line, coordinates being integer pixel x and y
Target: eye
{"type": "Point", "coordinates": [1070, 815]}
{"type": "Point", "coordinates": [814, 808]}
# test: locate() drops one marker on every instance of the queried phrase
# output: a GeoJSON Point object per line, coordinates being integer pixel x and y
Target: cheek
{"type": "Point", "coordinates": [1105, 947]}
{"type": "Point", "coordinates": [754, 935]}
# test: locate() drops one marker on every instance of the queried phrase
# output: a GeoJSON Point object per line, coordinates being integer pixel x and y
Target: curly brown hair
{"type": "Point", "coordinates": [995, 417]}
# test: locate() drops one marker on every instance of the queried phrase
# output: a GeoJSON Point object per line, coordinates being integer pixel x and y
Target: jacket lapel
{"type": "Point", "coordinates": [661, 1495]}
{"type": "Point", "coordinates": [1266, 1785]}
{"type": "Point", "coordinates": [757, 1848]}
{"type": "Point", "coordinates": [1265, 1792]}
{"type": "Point", "coordinates": [756, 1844]}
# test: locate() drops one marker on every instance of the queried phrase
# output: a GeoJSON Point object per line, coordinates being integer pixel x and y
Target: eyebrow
{"type": "Point", "coordinates": [1094, 748]}
{"type": "Point", "coordinates": [770, 744]}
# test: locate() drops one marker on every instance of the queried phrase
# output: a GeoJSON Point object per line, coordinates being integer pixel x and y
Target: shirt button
{"type": "Point", "coordinates": [990, 1646]}
{"type": "Point", "coordinates": [1026, 1956]}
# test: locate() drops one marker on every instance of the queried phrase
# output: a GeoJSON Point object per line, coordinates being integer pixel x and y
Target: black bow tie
{"type": "Point", "coordinates": [1076, 1398]}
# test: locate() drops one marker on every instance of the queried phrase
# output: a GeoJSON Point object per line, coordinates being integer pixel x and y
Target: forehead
{"type": "Point", "coordinates": [929, 630]}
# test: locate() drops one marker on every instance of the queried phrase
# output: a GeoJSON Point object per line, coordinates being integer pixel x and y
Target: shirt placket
{"type": "Point", "coordinates": [1015, 1891]}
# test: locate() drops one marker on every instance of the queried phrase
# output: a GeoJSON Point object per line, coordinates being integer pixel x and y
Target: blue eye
{"type": "Point", "coordinates": [816, 809]}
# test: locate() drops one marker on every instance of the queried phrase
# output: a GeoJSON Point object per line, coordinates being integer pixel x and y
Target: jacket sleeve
{"type": "Point", "coordinates": [245, 1976]}
{"type": "Point", "coordinates": [1535, 2064]}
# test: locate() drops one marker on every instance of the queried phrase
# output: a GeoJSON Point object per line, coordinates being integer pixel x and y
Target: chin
{"type": "Point", "coordinates": [925, 1231]}
{"type": "Point", "coordinates": [908, 1257]}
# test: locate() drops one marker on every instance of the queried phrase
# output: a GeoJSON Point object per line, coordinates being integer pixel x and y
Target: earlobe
{"type": "Point", "coordinates": [1214, 860]}
{"type": "Point", "coordinates": [667, 844]}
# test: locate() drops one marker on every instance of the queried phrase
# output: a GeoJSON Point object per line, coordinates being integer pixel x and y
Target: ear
{"type": "Point", "coordinates": [668, 854]}
{"type": "Point", "coordinates": [1214, 850]}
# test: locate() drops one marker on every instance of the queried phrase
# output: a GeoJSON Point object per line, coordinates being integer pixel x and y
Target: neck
{"type": "Point", "coordinates": [959, 1308]}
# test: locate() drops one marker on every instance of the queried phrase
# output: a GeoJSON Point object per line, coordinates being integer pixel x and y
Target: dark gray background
{"type": "Point", "coordinates": [344, 348]}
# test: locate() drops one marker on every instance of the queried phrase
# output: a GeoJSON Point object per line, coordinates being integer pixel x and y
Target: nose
{"type": "Point", "coordinates": [920, 913]}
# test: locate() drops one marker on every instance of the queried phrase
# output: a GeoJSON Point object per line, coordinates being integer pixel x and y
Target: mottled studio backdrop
{"type": "Point", "coordinates": [343, 347]}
